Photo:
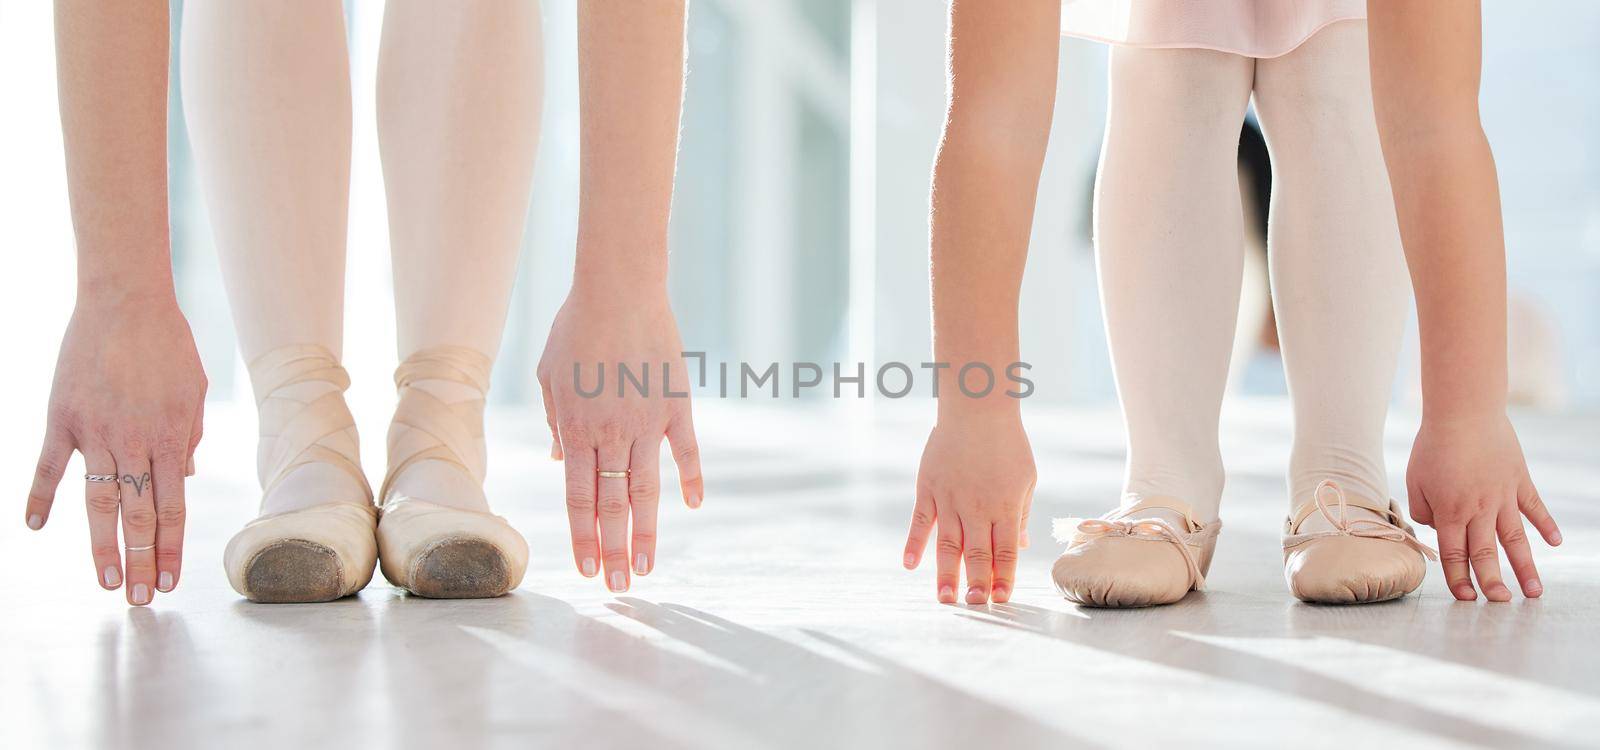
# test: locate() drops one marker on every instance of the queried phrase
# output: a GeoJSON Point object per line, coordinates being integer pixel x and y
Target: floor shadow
{"type": "Point", "coordinates": [799, 696]}
{"type": "Point", "coordinates": [1151, 634]}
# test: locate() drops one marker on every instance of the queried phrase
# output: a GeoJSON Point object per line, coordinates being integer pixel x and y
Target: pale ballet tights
{"type": "Point", "coordinates": [267, 100]}
{"type": "Point", "coordinates": [1169, 239]}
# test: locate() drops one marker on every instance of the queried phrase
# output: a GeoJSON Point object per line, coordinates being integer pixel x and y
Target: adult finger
{"type": "Point", "coordinates": [644, 496]}
{"type": "Point", "coordinates": [1515, 541]}
{"type": "Point", "coordinates": [1007, 541]}
{"type": "Point", "coordinates": [1457, 566]}
{"type": "Point", "coordinates": [1532, 506]}
{"type": "Point", "coordinates": [138, 525]}
{"type": "Point", "coordinates": [977, 541]}
{"type": "Point", "coordinates": [922, 517]}
{"type": "Point", "coordinates": [612, 510]}
{"type": "Point", "coordinates": [579, 464]}
{"type": "Point", "coordinates": [1485, 555]}
{"type": "Point", "coordinates": [686, 454]}
{"type": "Point", "coordinates": [1027, 511]}
{"type": "Point", "coordinates": [53, 458]}
{"type": "Point", "coordinates": [550, 419]}
{"type": "Point", "coordinates": [103, 498]}
{"type": "Point", "coordinates": [947, 553]}
{"type": "Point", "coordinates": [171, 515]}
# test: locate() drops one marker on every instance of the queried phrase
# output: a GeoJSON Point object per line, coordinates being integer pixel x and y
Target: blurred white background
{"type": "Point", "coordinates": [800, 228]}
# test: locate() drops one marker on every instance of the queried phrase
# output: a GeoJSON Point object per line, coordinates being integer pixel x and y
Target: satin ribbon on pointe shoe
{"type": "Point", "coordinates": [1147, 530]}
{"type": "Point", "coordinates": [1344, 525]}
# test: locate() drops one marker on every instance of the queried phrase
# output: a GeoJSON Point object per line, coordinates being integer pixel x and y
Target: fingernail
{"type": "Point", "coordinates": [141, 594]}
{"type": "Point", "coordinates": [947, 594]}
{"type": "Point", "coordinates": [641, 563]}
{"type": "Point", "coordinates": [555, 452]}
{"type": "Point", "coordinates": [588, 567]}
{"type": "Point", "coordinates": [1466, 593]}
{"type": "Point", "coordinates": [696, 499]}
{"type": "Point", "coordinates": [112, 576]}
{"type": "Point", "coordinates": [1555, 538]}
{"type": "Point", "coordinates": [911, 560]}
{"type": "Point", "coordinates": [164, 581]}
{"type": "Point", "coordinates": [975, 595]}
{"type": "Point", "coordinates": [1001, 593]}
{"type": "Point", "coordinates": [36, 522]}
{"type": "Point", "coordinates": [619, 581]}
{"type": "Point", "coordinates": [1535, 588]}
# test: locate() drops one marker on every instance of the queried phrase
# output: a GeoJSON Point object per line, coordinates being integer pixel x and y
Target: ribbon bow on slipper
{"type": "Point", "coordinates": [1084, 530]}
{"type": "Point", "coordinates": [1344, 525]}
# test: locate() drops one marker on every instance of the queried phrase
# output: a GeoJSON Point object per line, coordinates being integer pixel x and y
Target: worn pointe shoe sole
{"type": "Point", "coordinates": [461, 568]}
{"type": "Point", "coordinates": [293, 571]}
{"type": "Point", "coordinates": [317, 554]}
{"type": "Point", "coordinates": [1352, 570]}
{"type": "Point", "coordinates": [446, 553]}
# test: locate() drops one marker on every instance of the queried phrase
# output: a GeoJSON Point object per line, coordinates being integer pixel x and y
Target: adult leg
{"type": "Point", "coordinates": [459, 89]}
{"type": "Point", "coordinates": [267, 99]}
{"type": "Point", "coordinates": [1341, 294]}
{"type": "Point", "coordinates": [1169, 238]}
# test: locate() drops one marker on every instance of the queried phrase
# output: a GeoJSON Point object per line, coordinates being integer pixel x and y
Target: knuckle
{"type": "Point", "coordinates": [1005, 556]}
{"type": "Point", "coordinates": [612, 506]}
{"type": "Point", "coordinates": [135, 444]}
{"type": "Point", "coordinates": [644, 487]}
{"type": "Point", "coordinates": [921, 518]}
{"type": "Point", "coordinates": [644, 538]}
{"type": "Point", "coordinates": [1514, 536]}
{"type": "Point", "coordinates": [611, 431]}
{"type": "Point", "coordinates": [1484, 554]}
{"type": "Point", "coordinates": [978, 555]}
{"type": "Point", "coordinates": [617, 558]}
{"type": "Point", "coordinates": [948, 546]}
{"type": "Point", "coordinates": [1533, 505]}
{"type": "Point", "coordinates": [170, 516]}
{"type": "Point", "coordinates": [101, 502]}
{"type": "Point", "coordinates": [579, 502]}
{"type": "Point", "coordinates": [168, 558]}
{"type": "Point", "coordinates": [170, 447]}
{"type": "Point", "coordinates": [139, 517]}
{"type": "Point", "coordinates": [1453, 555]}
{"type": "Point", "coordinates": [104, 551]}
{"type": "Point", "coordinates": [49, 470]}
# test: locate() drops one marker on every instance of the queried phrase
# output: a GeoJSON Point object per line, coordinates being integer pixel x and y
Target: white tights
{"type": "Point", "coordinates": [267, 100]}
{"type": "Point", "coordinates": [1170, 243]}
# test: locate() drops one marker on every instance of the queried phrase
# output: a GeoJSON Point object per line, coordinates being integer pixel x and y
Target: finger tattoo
{"type": "Point", "coordinates": [137, 483]}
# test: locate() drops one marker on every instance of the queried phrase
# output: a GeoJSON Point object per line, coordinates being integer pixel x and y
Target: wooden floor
{"type": "Point", "coordinates": [779, 617]}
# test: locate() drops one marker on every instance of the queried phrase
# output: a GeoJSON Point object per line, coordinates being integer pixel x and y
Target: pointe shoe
{"type": "Point", "coordinates": [319, 552]}
{"type": "Point", "coordinates": [426, 547]}
{"type": "Point", "coordinates": [1128, 558]}
{"type": "Point", "coordinates": [1358, 560]}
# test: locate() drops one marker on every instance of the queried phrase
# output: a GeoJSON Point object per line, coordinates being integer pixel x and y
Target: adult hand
{"type": "Point", "coordinates": [611, 440]}
{"type": "Point", "coordinates": [128, 395]}
{"type": "Point", "coordinates": [976, 483]}
{"type": "Point", "coordinates": [1468, 480]}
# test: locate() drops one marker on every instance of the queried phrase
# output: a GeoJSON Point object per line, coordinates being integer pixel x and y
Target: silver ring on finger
{"type": "Point", "coordinates": [612, 474]}
{"type": "Point", "coordinates": [100, 478]}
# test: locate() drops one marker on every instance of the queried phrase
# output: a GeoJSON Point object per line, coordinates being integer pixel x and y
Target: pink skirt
{"type": "Point", "coordinates": [1253, 28]}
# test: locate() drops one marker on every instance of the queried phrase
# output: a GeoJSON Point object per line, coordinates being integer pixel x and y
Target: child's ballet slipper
{"type": "Point", "coordinates": [1357, 560]}
{"type": "Point", "coordinates": [323, 551]}
{"type": "Point", "coordinates": [429, 548]}
{"type": "Point", "coordinates": [1133, 558]}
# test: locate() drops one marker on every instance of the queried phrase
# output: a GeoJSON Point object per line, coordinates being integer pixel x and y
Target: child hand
{"type": "Point", "coordinates": [976, 484]}
{"type": "Point", "coordinates": [1468, 480]}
